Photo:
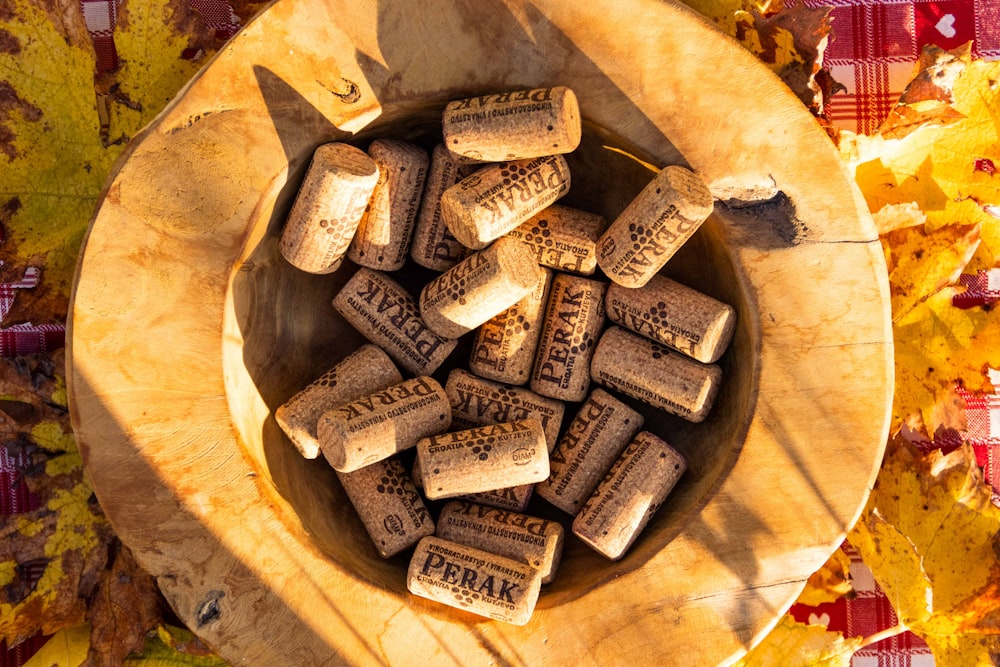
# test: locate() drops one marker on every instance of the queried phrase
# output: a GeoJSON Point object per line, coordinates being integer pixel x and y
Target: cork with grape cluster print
{"type": "Point", "coordinates": [662, 217]}
{"type": "Point", "coordinates": [328, 208]}
{"type": "Point", "coordinates": [483, 458]}
{"type": "Point", "coordinates": [497, 198]}
{"type": "Point", "coordinates": [479, 287]}
{"type": "Point", "coordinates": [656, 375]}
{"type": "Point", "coordinates": [376, 426]}
{"type": "Point", "coordinates": [474, 580]}
{"type": "Point", "coordinates": [389, 505]}
{"type": "Point", "coordinates": [574, 317]}
{"type": "Point", "coordinates": [366, 370]}
{"type": "Point", "coordinates": [629, 495]}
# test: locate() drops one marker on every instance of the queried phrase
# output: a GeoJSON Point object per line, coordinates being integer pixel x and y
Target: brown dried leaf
{"type": "Point", "coordinates": [125, 606]}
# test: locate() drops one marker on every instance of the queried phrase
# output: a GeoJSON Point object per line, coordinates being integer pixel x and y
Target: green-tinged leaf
{"type": "Point", "coordinates": [52, 164]}
{"type": "Point", "coordinates": [174, 647]}
{"type": "Point", "coordinates": [151, 38]}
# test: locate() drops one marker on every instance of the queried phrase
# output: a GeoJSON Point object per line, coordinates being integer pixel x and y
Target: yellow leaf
{"type": "Point", "coordinates": [937, 345]}
{"type": "Point", "coordinates": [927, 533]}
{"type": "Point", "coordinates": [934, 165]}
{"type": "Point", "coordinates": [66, 648]}
{"type": "Point", "coordinates": [924, 262]}
{"type": "Point", "coordinates": [789, 40]}
{"type": "Point", "coordinates": [55, 165]}
{"type": "Point", "coordinates": [53, 160]}
{"type": "Point", "coordinates": [794, 644]}
{"type": "Point", "coordinates": [830, 583]}
{"type": "Point", "coordinates": [150, 38]}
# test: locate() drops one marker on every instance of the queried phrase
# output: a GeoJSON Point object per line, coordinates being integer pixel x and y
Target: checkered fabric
{"type": "Point", "coordinates": [872, 51]}
{"type": "Point", "coordinates": [875, 43]}
{"type": "Point", "coordinates": [864, 615]}
{"type": "Point", "coordinates": [7, 290]}
{"type": "Point", "coordinates": [981, 289]}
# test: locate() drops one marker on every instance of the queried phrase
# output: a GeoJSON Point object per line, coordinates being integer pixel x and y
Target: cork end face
{"type": "Point", "coordinates": [718, 336]}
{"type": "Point", "coordinates": [706, 396]}
{"type": "Point", "coordinates": [304, 441]}
{"type": "Point", "coordinates": [346, 162]}
{"type": "Point", "coordinates": [517, 262]}
{"type": "Point", "coordinates": [694, 200]}
{"type": "Point", "coordinates": [570, 121]}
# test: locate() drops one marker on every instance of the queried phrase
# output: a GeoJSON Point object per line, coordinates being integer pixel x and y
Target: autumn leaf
{"type": "Point", "coordinates": [150, 38]}
{"type": "Point", "coordinates": [789, 40]}
{"type": "Point", "coordinates": [54, 160]}
{"type": "Point", "coordinates": [125, 605]}
{"type": "Point", "coordinates": [929, 534]}
{"type": "Point", "coordinates": [923, 262]}
{"type": "Point", "coordinates": [51, 558]}
{"type": "Point", "coordinates": [829, 583]}
{"type": "Point", "coordinates": [794, 644]}
{"type": "Point", "coordinates": [50, 137]}
{"type": "Point", "coordinates": [934, 165]}
{"type": "Point", "coordinates": [937, 346]}
{"type": "Point", "coordinates": [66, 648]}
{"type": "Point", "coordinates": [171, 646]}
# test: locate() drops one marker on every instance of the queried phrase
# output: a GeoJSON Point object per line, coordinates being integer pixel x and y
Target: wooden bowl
{"type": "Point", "coordinates": [188, 330]}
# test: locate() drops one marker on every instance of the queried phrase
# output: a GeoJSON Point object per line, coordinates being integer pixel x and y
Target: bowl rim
{"type": "Point", "coordinates": [183, 496]}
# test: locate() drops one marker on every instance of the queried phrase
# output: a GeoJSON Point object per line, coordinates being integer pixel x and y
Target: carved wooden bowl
{"type": "Point", "coordinates": [188, 330]}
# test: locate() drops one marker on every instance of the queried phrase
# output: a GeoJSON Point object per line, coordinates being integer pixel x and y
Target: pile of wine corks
{"type": "Point", "coordinates": [568, 321]}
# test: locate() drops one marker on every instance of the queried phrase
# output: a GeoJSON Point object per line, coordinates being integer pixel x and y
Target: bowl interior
{"type": "Point", "coordinates": [289, 333]}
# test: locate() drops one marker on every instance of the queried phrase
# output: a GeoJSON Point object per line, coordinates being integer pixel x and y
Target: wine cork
{"type": "Point", "coordinates": [385, 313]}
{"type": "Point", "coordinates": [477, 581]}
{"type": "Point", "coordinates": [328, 208]}
{"type": "Point", "coordinates": [513, 125]}
{"type": "Point", "coordinates": [381, 424]}
{"type": "Point", "coordinates": [477, 288]}
{"type": "Point", "coordinates": [563, 238]}
{"type": "Point", "coordinates": [528, 539]}
{"type": "Point", "coordinates": [495, 199]}
{"type": "Point", "coordinates": [656, 375]}
{"type": "Point", "coordinates": [362, 372]}
{"type": "Point", "coordinates": [574, 316]}
{"type": "Point", "coordinates": [479, 402]}
{"type": "Point", "coordinates": [483, 458]}
{"type": "Point", "coordinates": [665, 214]}
{"type": "Point", "coordinates": [681, 318]}
{"type": "Point", "coordinates": [382, 240]}
{"type": "Point", "coordinates": [389, 506]}
{"type": "Point", "coordinates": [433, 245]}
{"type": "Point", "coordinates": [593, 441]}
{"type": "Point", "coordinates": [504, 347]}
{"type": "Point", "coordinates": [628, 497]}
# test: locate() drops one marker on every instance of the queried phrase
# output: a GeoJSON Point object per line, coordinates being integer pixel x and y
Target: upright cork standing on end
{"type": "Point", "coordinates": [328, 208]}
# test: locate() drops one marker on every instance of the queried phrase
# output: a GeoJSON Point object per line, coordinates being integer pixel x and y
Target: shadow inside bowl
{"type": "Point", "coordinates": [289, 334]}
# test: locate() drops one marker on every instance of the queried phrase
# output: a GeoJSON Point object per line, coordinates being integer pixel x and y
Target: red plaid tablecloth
{"type": "Point", "coordinates": [875, 43]}
{"type": "Point", "coordinates": [872, 51]}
